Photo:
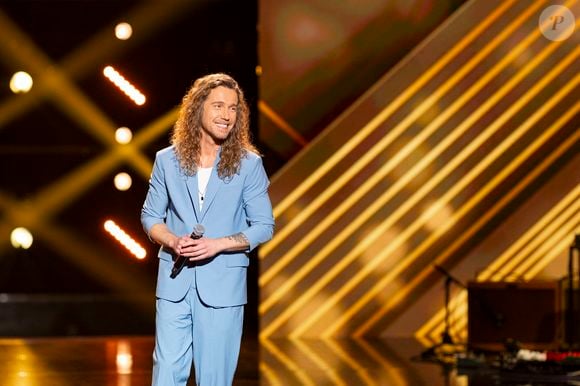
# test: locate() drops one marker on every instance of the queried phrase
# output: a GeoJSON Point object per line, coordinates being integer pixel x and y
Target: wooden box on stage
{"type": "Point", "coordinates": [525, 312]}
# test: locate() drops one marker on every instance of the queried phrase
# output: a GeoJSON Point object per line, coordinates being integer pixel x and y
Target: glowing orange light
{"type": "Point", "coordinates": [124, 358]}
{"type": "Point", "coordinates": [123, 31]}
{"type": "Point", "coordinates": [125, 240]}
{"type": "Point", "coordinates": [124, 85]}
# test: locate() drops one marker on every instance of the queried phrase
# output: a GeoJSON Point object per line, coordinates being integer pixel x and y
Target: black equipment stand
{"type": "Point", "coordinates": [446, 338]}
{"type": "Point", "coordinates": [570, 303]}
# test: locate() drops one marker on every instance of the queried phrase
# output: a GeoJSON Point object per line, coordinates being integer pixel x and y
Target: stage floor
{"type": "Point", "coordinates": [126, 361]}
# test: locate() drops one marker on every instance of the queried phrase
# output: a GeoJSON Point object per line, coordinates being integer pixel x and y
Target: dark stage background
{"type": "Point", "coordinates": [58, 158]}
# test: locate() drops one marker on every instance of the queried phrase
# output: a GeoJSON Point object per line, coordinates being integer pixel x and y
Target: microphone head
{"type": "Point", "coordinates": [198, 230]}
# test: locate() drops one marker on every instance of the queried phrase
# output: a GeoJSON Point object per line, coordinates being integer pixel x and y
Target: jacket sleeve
{"type": "Point", "coordinates": [257, 204]}
{"type": "Point", "coordinates": [154, 209]}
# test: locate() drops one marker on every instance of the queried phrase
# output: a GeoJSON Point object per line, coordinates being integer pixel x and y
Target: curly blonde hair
{"type": "Point", "coordinates": [187, 131]}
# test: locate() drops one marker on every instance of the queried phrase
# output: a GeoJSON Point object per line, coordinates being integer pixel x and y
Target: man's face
{"type": "Point", "coordinates": [220, 110]}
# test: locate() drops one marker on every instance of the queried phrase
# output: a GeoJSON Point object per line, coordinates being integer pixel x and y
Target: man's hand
{"type": "Point", "coordinates": [205, 248]}
{"type": "Point", "coordinates": [200, 249]}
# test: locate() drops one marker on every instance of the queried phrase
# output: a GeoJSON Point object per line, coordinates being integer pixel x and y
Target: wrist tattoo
{"type": "Point", "coordinates": [239, 238]}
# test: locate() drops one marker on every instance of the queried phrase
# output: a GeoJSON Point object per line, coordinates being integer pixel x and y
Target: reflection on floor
{"type": "Point", "coordinates": [346, 362]}
{"type": "Point", "coordinates": [126, 361]}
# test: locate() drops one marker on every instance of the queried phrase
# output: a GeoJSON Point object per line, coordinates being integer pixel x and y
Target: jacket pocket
{"type": "Point", "coordinates": [165, 255]}
{"type": "Point", "coordinates": [237, 260]}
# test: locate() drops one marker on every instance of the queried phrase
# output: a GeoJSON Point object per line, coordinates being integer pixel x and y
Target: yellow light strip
{"type": "Point", "coordinates": [458, 187]}
{"type": "Point", "coordinates": [402, 293]}
{"type": "Point", "coordinates": [525, 256]}
{"type": "Point", "coordinates": [332, 376]}
{"type": "Point", "coordinates": [54, 198]}
{"type": "Point", "coordinates": [144, 137]}
{"type": "Point", "coordinates": [425, 341]}
{"type": "Point", "coordinates": [281, 123]}
{"type": "Point", "coordinates": [556, 251]}
{"type": "Point", "coordinates": [461, 328]}
{"type": "Point", "coordinates": [124, 85]}
{"type": "Point", "coordinates": [437, 323]}
{"type": "Point", "coordinates": [270, 375]}
{"type": "Point", "coordinates": [154, 129]}
{"type": "Point", "coordinates": [287, 361]}
{"type": "Point", "coordinates": [35, 212]}
{"type": "Point", "coordinates": [382, 116]}
{"type": "Point", "coordinates": [351, 362]}
{"type": "Point", "coordinates": [391, 370]}
{"type": "Point", "coordinates": [125, 239]}
{"type": "Point", "coordinates": [529, 265]}
{"type": "Point", "coordinates": [355, 197]}
{"type": "Point", "coordinates": [345, 261]}
{"type": "Point", "coordinates": [548, 251]}
{"type": "Point", "coordinates": [50, 79]}
{"type": "Point", "coordinates": [456, 319]}
{"type": "Point", "coordinates": [25, 363]}
{"type": "Point", "coordinates": [439, 317]}
{"type": "Point", "coordinates": [54, 83]}
{"type": "Point", "coordinates": [379, 230]}
{"type": "Point", "coordinates": [85, 256]}
{"type": "Point", "coordinates": [499, 265]}
{"type": "Point", "coordinates": [553, 215]}
{"type": "Point", "coordinates": [67, 95]}
{"type": "Point", "coordinates": [7, 205]}
{"type": "Point", "coordinates": [455, 332]}
{"type": "Point", "coordinates": [149, 17]}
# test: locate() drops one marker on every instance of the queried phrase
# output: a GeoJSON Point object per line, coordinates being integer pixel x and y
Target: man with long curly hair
{"type": "Point", "coordinates": [210, 180]}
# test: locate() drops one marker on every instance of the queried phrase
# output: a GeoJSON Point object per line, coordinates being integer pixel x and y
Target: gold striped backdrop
{"type": "Point", "coordinates": [334, 362]}
{"type": "Point", "coordinates": [420, 170]}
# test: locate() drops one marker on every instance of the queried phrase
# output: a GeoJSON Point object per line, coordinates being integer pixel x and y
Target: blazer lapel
{"type": "Point", "coordinates": [192, 188]}
{"type": "Point", "coordinates": [213, 187]}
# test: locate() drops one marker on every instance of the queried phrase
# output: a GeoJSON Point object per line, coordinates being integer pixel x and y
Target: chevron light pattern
{"type": "Point", "coordinates": [420, 170]}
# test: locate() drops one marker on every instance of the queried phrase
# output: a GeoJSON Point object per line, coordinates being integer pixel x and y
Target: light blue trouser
{"type": "Point", "coordinates": [190, 328]}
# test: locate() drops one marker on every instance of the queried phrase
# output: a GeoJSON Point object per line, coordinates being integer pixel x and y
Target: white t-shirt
{"type": "Point", "coordinates": [203, 175]}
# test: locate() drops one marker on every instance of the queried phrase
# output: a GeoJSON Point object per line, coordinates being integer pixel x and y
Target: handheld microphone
{"type": "Point", "coordinates": [197, 233]}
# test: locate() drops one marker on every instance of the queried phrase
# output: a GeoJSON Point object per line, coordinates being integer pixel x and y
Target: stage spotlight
{"type": "Point", "coordinates": [123, 135]}
{"type": "Point", "coordinates": [124, 358]}
{"type": "Point", "coordinates": [124, 85]}
{"type": "Point", "coordinates": [21, 238]}
{"type": "Point", "coordinates": [123, 31]}
{"type": "Point", "coordinates": [125, 240]}
{"type": "Point", "coordinates": [123, 181]}
{"type": "Point", "coordinates": [21, 82]}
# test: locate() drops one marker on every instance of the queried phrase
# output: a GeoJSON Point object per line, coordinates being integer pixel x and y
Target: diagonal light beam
{"type": "Point", "coordinates": [374, 123]}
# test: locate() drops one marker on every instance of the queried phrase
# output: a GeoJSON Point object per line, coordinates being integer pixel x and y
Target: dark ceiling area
{"type": "Point", "coordinates": [60, 130]}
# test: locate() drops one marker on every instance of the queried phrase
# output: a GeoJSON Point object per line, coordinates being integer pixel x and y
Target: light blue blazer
{"type": "Point", "coordinates": [238, 204]}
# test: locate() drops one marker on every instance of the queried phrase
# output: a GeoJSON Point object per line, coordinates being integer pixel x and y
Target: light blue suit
{"type": "Point", "coordinates": [231, 205]}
